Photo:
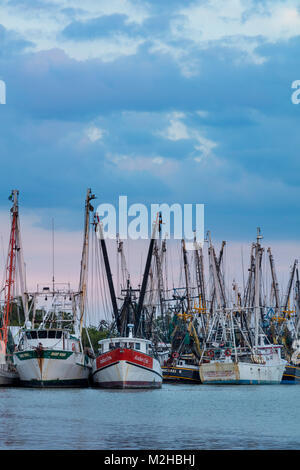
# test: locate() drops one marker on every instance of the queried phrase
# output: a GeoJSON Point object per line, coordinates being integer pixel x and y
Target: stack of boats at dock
{"type": "Point", "coordinates": [201, 332]}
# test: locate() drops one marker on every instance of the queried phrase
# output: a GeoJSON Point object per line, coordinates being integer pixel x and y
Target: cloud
{"type": "Point", "coordinates": [44, 26]}
{"type": "Point", "coordinates": [141, 108]}
{"type": "Point", "coordinates": [238, 24]}
{"type": "Point", "coordinates": [177, 130]}
{"type": "Point", "coordinates": [95, 133]}
{"type": "Point", "coordinates": [97, 27]}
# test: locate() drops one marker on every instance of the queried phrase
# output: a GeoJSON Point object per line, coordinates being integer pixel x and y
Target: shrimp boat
{"type": "Point", "coordinates": [239, 366]}
{"type": "Point", "coordinates": [236, 349]}
{"type": "Point", "coordinates": [183, 368]}
{"type": "Point", "coordinates": [291, 373]}
{"type": "Point", "coordinates": [51, 354]}
{"type": "Point", "coordinates": [128, 360]}
{"type": "Point", "coordinates": [50, 351]}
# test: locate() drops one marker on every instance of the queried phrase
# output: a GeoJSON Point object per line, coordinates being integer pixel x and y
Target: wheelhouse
{"type": "Point", "coordinates": [138, 344]}
{"type": "Point", "coordinates": [49, 339]}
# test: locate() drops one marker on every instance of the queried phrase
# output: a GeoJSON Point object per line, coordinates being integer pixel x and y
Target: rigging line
{"type": "Point", "coordinates": [98, 286]}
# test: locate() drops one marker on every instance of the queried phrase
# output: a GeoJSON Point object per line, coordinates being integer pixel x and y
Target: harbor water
{"type": "Point", "coordinates": [173, 417]}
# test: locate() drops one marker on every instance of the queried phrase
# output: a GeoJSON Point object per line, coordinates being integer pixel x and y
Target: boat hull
{"type": "Point", "coordinates": [241, 373]}
{"type": "Point", "coordinates": [126, 368]}
{"type": "Point", "coordinates": [52, 369]}
{"type": "Point", "coordinates": [8, 376]}
{"type": "Point", "coordinates": [291, 374]}
{"type": "Point", "coordinates": [180, 374]}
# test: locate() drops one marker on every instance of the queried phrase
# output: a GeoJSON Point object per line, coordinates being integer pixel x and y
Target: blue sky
{"type": "Point", "coordinates": [163, 101]}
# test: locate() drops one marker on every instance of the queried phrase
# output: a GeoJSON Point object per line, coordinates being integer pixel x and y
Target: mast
{"type": "Point", "coordinates": [200, 274]}
{"type": "Point", "coordinates": [108, 273]}
{"type": "Point", "coordinates": [159, 258]}
{"type": "Point", "coordinates": [20, 265]}
{"type": "Point", "coordinates": [186, 273]}
{"type": "Point", "coordinates": [146, 273]}
{"type": "Point", "coordinates": [289, 287]}
{"type": "Point", "coordinates": [216, 280]}
{"type": "Point", "coordinates": [85, 256]}
{"type": "Point", "coordinates": [10, 274]}
{"type": "Point", "coordinates": [274, 281]}
{"type": "Point", "coordinates": [218, 267]}
{"type": "Point", "coordinates": [124, 271]}
{"type": "Point", "coordinates": [257, 277]}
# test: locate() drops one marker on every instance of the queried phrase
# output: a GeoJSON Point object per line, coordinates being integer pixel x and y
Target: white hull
{"type": "Point", "coordinates": [126, 369]}
{"type": "Point", "coordinates": [241, 373]}
{"type": "Point", "coordinates": [66, 370]}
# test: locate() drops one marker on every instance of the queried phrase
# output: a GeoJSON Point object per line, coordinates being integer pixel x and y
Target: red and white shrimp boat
{"type": "Point", "coordinates": [126, 362]}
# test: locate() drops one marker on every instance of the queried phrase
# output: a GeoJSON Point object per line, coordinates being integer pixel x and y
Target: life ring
{"type": "Point", "coordinates": [228, 352]}
{"type": "Point", "coordinates": [73, 346]}
{"type": "Point", "coordinates": [175, 354]}
{"type": "Point", "coordinates": [210, 353]}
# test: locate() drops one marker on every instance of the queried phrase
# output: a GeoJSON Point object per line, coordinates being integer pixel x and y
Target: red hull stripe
{"type": "Point", "coordinates": [124, 354]}
{"type": "Point", "coordinates": [106, 367]}
{"type": "Point", "coordinates": [132, 364]}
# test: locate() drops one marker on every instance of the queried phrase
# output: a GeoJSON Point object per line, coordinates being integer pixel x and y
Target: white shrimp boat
{"type": "Point", "coordinates": [126, 362]}
{"type": "Point", "coordinates": [235, 353]}
{"type": "Point", "coordinates": [50, 351]}
{"type": "Point", "coordinates": [51, 358]}
{"type": "Point", "coordinates": [265, 367]}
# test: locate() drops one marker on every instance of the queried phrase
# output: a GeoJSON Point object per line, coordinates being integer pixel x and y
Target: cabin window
{"type": "Point", "coordinates": [51, 334]}
{"type": "Point", "coordinates": [58, 334]}
{"type": "Point", "coordinates": [28, 335]}
{"type": "Point", "coordinates": [33, 334]}
{"type": "Point", "coordinates": [111, 346]}
{"type": "Point", "coordinates": [117, 345]}
{"type": "Point", "coordinates": [137, 345]}
{"type": "Point", "coordinates": [42, 334]}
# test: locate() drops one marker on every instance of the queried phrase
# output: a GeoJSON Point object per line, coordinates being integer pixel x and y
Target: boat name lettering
{"type": "Point", "coordinates": [145, 360]}
{"type": "Point", "coordinates": [57, 354]}
{"type": "Point", "coordinates": [226, 373]}
{"type": "Point", "coordinates": [105, 359]}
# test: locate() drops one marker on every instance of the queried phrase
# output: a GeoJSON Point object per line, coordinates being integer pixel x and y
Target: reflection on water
{"type": "Point", "coordinates": [174, 417]}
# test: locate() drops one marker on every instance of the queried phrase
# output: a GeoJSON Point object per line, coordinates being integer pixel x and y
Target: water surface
{"type": "Point", "coordinates": [174, 417]}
